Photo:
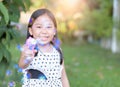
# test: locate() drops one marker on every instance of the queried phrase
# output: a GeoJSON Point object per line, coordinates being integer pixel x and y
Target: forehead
{"type": "Point", "coordinates": [43, 19]}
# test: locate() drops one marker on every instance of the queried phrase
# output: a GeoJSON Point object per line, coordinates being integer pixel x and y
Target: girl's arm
{"type": "Point", "coordinates": [64, 78]}
{"type": "Point", "coordinates": [22, 64]}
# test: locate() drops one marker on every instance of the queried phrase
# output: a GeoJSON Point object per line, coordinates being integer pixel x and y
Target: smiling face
{"type": "Point", "coordinates": [43, 29]}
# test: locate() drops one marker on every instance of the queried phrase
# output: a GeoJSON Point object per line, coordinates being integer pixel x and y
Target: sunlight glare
{"type": "Point", "coordinates": [69, 6]}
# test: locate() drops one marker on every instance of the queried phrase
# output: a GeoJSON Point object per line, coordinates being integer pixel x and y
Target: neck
{"type": "Point", "coordinates": [45, 48]}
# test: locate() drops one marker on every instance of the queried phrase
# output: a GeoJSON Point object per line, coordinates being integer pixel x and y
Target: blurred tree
{"type": "Point", "coordinates": [36, 4]}
{"type": "Point", "coordinates": [98, 18]}
{"type": "Point", "coordinates": [9, 12]}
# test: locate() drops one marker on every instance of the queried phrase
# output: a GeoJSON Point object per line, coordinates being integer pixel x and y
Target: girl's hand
{"type": "Point", "coordinates": [26, 57]}
{"type": "Point", "coordinates": [28, 54]}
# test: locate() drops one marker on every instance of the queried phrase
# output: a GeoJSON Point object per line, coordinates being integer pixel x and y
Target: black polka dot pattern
{"type": "Point", "coordinates": [49, 64]}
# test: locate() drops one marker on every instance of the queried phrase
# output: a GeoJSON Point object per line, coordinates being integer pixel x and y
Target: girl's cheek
{"type": "Point", "coordinates": [51, 32]}
{"type": "Point", "coordinates": [35, 33]}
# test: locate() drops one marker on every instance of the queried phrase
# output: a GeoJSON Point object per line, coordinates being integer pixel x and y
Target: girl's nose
{"type": "Point", "coordinates": [44, 30]}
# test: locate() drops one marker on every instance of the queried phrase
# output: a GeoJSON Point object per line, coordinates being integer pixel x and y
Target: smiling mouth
{"type": "Point", "coordinates": [42, 38]}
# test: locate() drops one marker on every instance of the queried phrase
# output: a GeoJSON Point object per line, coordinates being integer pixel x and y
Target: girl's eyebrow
{"type": "Point", "coordinates": [43, 24]}
{"type": "Point", "coordinates": [38, 24]}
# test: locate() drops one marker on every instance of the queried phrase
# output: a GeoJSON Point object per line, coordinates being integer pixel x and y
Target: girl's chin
{"type": "Point", "coordinates": [43, 43]}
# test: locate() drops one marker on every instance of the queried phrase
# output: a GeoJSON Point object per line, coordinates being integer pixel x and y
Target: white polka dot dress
{"type": "Point", "coordinates": [49, 64]}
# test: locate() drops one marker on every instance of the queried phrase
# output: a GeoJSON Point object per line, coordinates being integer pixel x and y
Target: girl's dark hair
{"type": "Point", "coordinates": [55, 40]}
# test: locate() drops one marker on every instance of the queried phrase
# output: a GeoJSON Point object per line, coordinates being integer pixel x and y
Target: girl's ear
{"type": "Point", "coordinates": [55, 32]}
{"type": "Point", "coordinates": [30, 31]}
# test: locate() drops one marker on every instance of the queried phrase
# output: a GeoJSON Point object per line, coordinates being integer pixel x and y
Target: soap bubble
{"type": "Point", "coordinates": [16, 66]}
{"type": "Point", "coordinates": [8, 72]}
{"type": "Point", "coordinates": [11, 84]}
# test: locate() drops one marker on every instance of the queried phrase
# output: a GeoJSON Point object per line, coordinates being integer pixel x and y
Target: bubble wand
{"type": "Point", "coordinates": [31, 43]}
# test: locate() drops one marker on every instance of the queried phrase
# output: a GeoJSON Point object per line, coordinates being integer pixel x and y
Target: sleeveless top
{"type": "Point", "coordinates": [49, 65]}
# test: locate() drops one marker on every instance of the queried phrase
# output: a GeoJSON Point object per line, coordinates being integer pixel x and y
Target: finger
{"type": "Point", "coordinates": [34, 51]}
{"type": "Point", "coordinates": [29, 53]}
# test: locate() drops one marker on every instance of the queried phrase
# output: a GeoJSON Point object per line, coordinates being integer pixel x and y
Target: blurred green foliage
{"type": "Point", "coordinates": [98, 19]}
{"type": "Point", "coordinates": [89, 65]}
{"type": "Point", "coordinates": [9, 12]}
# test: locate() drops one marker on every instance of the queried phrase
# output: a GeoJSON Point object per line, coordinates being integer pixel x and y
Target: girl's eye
{"type": "Point", "coordinates": [48, 27]}
{"type": "Point", "coordinates": [39, 27]}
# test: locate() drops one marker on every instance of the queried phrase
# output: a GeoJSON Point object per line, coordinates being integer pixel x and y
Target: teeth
{"type": "Point", "coordinates": [45, 36]}
{"type": "Point", "coordinates": [42, 37]}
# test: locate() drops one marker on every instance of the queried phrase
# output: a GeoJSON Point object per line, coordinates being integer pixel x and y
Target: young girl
{"type": "Point", "coordinates": [43, 64]}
